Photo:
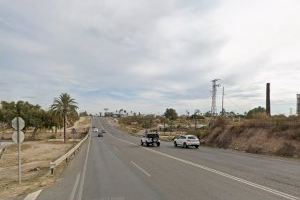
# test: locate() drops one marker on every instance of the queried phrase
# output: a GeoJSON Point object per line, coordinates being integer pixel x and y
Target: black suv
{"type": "Point", "coordinates": [150, 139]}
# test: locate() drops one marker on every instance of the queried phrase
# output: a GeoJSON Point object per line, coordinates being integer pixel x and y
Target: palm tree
{"type": "Point", "coordinates": [64, 105]}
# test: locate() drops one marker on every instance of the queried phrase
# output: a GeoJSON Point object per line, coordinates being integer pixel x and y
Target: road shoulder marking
{"type": "Point", "coordinates": [244, 181]}
{"type": "Point", "coordinates": [75, 187]}
{"type": "Point", "coordinates": [140, 168]}
{"type": "Point", "coordinates": [33, 196]}
{"type": "Point", "coordinates": [84, 169]}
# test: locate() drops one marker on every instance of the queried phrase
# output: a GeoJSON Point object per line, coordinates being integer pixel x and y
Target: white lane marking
{"type": "Point", "coordinates": [84, 170]}
{"type": "Point", "coordinates": [75, 187]}
{"type": "Point", "coordinates": [273, 191]}
{"type": "Point", "coordinates": [33, 196]}
{"type": "Point", "coordinates": [255, 185]}
{"type": "Point", "coordinates": [140, 168]}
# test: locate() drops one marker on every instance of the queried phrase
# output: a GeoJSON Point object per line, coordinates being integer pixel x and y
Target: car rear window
{"type": "Point", "coordinates": [152, 136]}
{"type": "Point", "coordinates": [192, 138]}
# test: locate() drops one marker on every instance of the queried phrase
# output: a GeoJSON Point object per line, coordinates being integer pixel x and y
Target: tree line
{"type": "Point", "coordinates": [60, 114]}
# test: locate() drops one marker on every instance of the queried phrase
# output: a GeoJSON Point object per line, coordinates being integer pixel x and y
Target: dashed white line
{"type": "Point", "coordinates": [249, 183]}
{"type": "Point", "coordinates": [141, 169]}
{"type": "Point", "coordinates": [33, 195]}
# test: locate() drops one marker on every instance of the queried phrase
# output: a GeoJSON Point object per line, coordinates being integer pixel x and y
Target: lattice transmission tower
{"type": "Point", "coordinates": [215, 85]}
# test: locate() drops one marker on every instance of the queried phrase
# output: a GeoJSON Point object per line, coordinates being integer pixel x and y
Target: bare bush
{"type": "Point", "coordinates": [254, 149]}
{"type": "Point", "coordinates": [287, 149]}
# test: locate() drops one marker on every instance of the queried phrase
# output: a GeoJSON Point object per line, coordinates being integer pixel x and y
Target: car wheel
{"type": "Point", "coordinates": [196, 146]}
{"type": "Point", "coordinates": [142, 143]}
{"type": "Point", "coordinates": [147, 144]}
{"type": "Point", "coordinates": [175, 144]}
{"type": "Point", "coordinates": [184, 145]}
{"type": "Point", "coordinates": [158, 144]}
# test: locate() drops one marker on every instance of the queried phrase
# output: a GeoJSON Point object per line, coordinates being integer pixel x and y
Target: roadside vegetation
{"type": "Point", "coordinates": [252, 132]}
{"type": "Point", "coordinates": [37, 119]}
{"type": "Point", "coordinates": [64, 106]}
{"type": "Point", "coordinates": [48, 135]}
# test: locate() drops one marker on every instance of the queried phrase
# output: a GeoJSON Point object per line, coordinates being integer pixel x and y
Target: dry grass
{"type": "Point", "coordinates": [254, 140]}
{"type": "Point", "coordinates": [277, 135]}
{"type": "Point", "coordinates": [36, 157]}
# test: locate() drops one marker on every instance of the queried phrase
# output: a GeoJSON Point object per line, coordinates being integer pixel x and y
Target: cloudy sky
{"type": "Point", "coordinates": [146, 55]}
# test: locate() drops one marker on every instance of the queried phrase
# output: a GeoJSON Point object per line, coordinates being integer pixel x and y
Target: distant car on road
{"type": "Point", "coordinates": [103, 131]}
{"type": "Point", "coordinates": [95, 130]}
{"type": "Point", "coordinates": [100, 134]}
{"type": "Point", "coordinates": [150, 139]}
{"type": "Point", "coordinates": [186, 141]}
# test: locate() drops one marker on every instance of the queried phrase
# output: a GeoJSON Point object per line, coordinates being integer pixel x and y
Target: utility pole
{"type": "Point", "coordinates": [298, 105]}
{"type": "Point", "coordinates": [223, 111]}
{"type": "Point", "coordinates": [215, 85]}
{"type": "Point", "coordinates": [268, 101]}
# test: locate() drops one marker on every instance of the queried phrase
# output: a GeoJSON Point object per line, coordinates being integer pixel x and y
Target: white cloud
{"type": "Point", "coordinates": [148, 55]}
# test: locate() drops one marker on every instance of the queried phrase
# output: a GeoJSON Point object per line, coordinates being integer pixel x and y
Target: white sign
{"type": "Point", "coordinates": [14, 123]}
{"type": "Point", "coordinates": [15, 137]}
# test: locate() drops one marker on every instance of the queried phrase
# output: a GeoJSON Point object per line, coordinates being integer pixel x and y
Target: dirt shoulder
{"type": "Point", "coordinates": [36, 157]}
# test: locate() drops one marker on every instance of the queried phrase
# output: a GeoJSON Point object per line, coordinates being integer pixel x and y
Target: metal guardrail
{"type": "Point", "coordinates": [67, 155]}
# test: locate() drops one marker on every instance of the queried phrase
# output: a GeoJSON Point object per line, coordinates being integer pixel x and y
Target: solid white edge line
{"type": "Point", "coordinates": [255, 185]}
{"type": "Point", "coordinates": [84, 170]}
{"type": "Point", "coordinates": [140, 168]}
{"type": "Point", "coordinates": [75, 187]}
{"type": "Point", "coordinates": [33, 196]}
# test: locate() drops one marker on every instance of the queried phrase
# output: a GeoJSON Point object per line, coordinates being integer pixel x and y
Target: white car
{"type": "Point", "coordinates": [95, 130]}
{"type": "Point", "coordinates": [186, 141]}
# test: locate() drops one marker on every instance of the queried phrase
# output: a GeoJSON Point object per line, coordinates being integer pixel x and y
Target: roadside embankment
{"type": "Point", "coordinates": [261, 135]}
{"type": "Point", "coordinates": [256, 140]}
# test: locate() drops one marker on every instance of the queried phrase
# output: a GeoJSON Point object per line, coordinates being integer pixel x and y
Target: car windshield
{"type": "Point", "coordinates": [192, 138]}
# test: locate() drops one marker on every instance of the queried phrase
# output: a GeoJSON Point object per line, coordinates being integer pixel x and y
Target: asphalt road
{"type": "Point", "coordinates": [115, 167]}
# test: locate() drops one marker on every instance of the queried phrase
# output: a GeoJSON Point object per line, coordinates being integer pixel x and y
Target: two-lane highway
{"type": "Point", "coordinates": [116, 167]}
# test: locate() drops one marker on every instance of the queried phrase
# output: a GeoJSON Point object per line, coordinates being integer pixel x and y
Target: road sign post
{"type": "Point", "coordinates": [18, 124]}
{"type": "Point", "coordinates": [19, 149]}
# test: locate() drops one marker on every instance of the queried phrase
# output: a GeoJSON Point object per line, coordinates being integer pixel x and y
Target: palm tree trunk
{"type": "Point", "coordinates": [64, 128]}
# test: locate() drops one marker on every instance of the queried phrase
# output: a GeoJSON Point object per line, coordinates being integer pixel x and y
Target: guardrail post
{"type": "Point", "coordinates": [52, 165]}
{"type": "Point", "coordinates": [67, 157]}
